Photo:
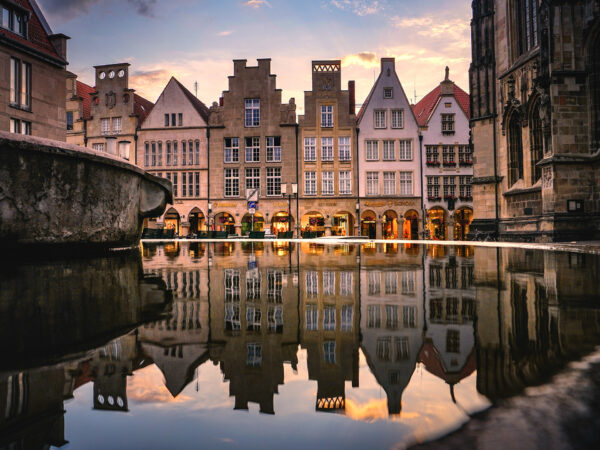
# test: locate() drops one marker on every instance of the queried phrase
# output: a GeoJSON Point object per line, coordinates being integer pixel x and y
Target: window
{"type": "Point", "coordinates": [346, 283]}
{"type": "Point", "coordinates": [380, 119]}
{"type": "Point", "coordinates": [345, 183]}
{"type": "Point", "coordinates": [168, 154]}
{"type": "Point", "coordinates": [327, 183]}
{"type": "Point", "coordinates": [253, 178]}
{"type": "Point", "coordinates": [232, 183]}
{"type": "Point", "coordinates": [100, 148]}
{"type": "Point", "coordinates": [327, 116]}
{"type": "Point", "coordinates": [465, 187]}
{"type": "Point", "coordinates": [329, 318]}
{"type": "Point", "coordinates": [406, 183]}
{"type": "Point", "coordinates": [432, 153]}
{"type": "Point", "coordinates": [527, 25]}
{"type": "Point", "coordinates": [383, 350]}
{"type": "Point", "coordinates": [389, 151]}
{"type": "Point", "coordinates": [253, 350]}
{"type": "Point", "coordinates": [183, 153]}
{"type": "Point", "coordinates": [392, 321]}
{"type": "Point", "coordinates": [14, 21]}
{"type": "Point", "coordinates": [116, 125]}
{"type": "Point", "coordinates": [372, 150]}
{"type": "Point", "coordinates": [153, 155]}
{"type": "Point", "coordinates": [373, 316]}
{"type": "Point", "coordinates": [433, 187]}
{"type": "Point", "coordinates": [312, 317]}
{"type": "Point", "coordinates": [275, 286]}
{"type": "Point", "coordinates": [310, 149]}
{"type": "Point", "coordinates": [174, 153]}
{"type": "Point", "coordinates": [174, 176]}
{"type": "Point", "coordinates": [449, 187]}
{"type": "Point", "coordinates": [273, 180]}
{"type": "Point", "coordinates": [252, 149]}
{"type": "Point", "coordinates": [252, 112]}
{"type": "Point", "coordinates": [159, 154]}
{"type": "Point", "coordinates": [405, 150]}
{"type": "Point", "coordinates": [274, 149]}
{"type": "Point", "coordinates": [105, 126]}
{"type": "Point", "coordinates": [180, 119]}
{"type": "Point", "coordinates": [344, 149]}
{"type": "Point", "coordinates": [536, 143]}
{"type": "Point", "coordinates": [327, 149]}
{"type": "Point", "coordinates": [183, 184]}
{"type": "Point", "coordinates": [312, 283]}
{"type": "Point", "coordinates": [397, 118]}
{"type": "Point", "coordinates": [448, 123]}
{"type": "Point", "coordinates": [372, 183]}
{"type": "Point", "coordinates": [166, 120]}
{"type": "Point", "coordinates": [407, 279]}
{"type": "Point", "coordinates": [69, 120]}
{"type": "Point", "coordinates": [275, 319]}
{"type": "Point", "coordinates": [190, 153]}
{"type": "Point", "coordinates": [197, 176]}
{"type": "Point", "coordinates": [232, 284]}
{"type": "Point", "coordinates": [173, 119]}
{"type": "Point", "coordinates": [252, 285]}
{"type": "Point", "coordinates": [409, 316]}
{"type": "Point", "coordinates": [465, 155]}
{"type": "Point", "coordinates": [391, 283]}
{"type": "Point", "coordinates": [232, 150]}
{"type": "Point", "coordinates": [329, 352]}
{"type": "Point", "coordinates": [347, 316]}
{"type": "Point", "coordinates": [389, 183]}
{"type": "Point", "coordinates": [190, 184]}
{"type": "Point", "coordinates": [20, 126]}
{"type": "Point", "coordinates": [310, 183]}
{"type": "Point", "coordinates": [448, 155]}
{"type": "Point", "coordinates": [402, 348]}
{"type": "Point", "coordinates": [15, 80]}
{"type": "Point", "coordinates": [388, 92]}
{"type": "Point", "coordinates": [452, 341]}
{"type": "Point", "coordinates": [515, 150]}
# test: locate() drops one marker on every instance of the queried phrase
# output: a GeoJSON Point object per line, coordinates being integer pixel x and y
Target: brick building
{"type": "Point", "coordinates": [327, 159]}
{"type": "Point", "coordinates": [32, 72]}
{"type": "Point", "coordinates": [253, 154]}
{"type": "Point", "coordinates": [535, 100]}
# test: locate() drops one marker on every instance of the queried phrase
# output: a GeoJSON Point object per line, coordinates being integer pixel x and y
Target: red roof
{"type": "Point", "coordinates": [425, 107]}
{"type": "Point", "coordinates": [37, 35]}
{"type": "Point", "coordinates": [141, 107]}
{"type": "Point", "coordinates": [84, 93]}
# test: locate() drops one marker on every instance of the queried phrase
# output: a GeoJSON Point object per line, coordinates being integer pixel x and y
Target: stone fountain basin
{"type": "Point", "coordinates": [54, 194]}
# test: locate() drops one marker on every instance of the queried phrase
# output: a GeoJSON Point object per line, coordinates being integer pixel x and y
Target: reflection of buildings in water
{"type": "Point", "coordinates": [540, 318]}
{"type": "Point", "coordinates": [254, 322]}
{"type": "Point", "coordinates": [329, 329]}
{"type": "Point", "coordinates": [450, 307]}
{"type": "Point", "coordinates": [391, 324]}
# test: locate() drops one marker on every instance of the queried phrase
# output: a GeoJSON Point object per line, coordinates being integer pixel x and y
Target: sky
{"type": "Point", "coordinates": [196, 41]}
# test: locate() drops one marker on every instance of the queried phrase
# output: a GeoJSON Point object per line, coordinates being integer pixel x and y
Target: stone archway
{"type": "Point", "coordinates": [462, 221]}
{"type": "Point", "coordinates": [281, 222]}
{"type": "Point", "coordinates": [313, 224]}
{"type": "Point", "coordinates": [342, 224]}
{"type": "Point", "coordinates": [197, 220]}
{"type": "Point", "coordinates": [172, 220]}
{"type": "Point", "coordinates": [225, 222]}
{"type": "Point", "coordinates": [410, 228]}
{"type": "Point", "coordinates": [437, 219]}
{"type": "Point", "coordinates": [389, 225]}
{"type": "Point", "coordinates": [252, 222]}
{"type": "Point", "coordinates": [368, 224]}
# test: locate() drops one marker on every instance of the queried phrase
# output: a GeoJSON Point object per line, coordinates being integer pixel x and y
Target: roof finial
{"type": "Point", "coordinates": [447, 73]}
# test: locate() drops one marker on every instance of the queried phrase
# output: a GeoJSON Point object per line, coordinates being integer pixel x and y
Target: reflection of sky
{"type": "Point", "coordinates": [203, 416]}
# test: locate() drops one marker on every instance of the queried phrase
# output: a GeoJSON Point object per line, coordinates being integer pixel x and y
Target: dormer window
{"type": "Point", "coordinates": [388, 92]}
{"type": "Point", "coordinates": [14, 20]}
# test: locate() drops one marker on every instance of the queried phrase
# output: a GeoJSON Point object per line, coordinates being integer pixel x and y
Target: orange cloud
{"type": "Point", "coordinates": [147, 386]}
{"type": "Point", "coordinates": [257, 3]}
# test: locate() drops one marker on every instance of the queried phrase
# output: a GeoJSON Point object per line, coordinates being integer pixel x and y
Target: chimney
{"type": "Point", "coordinates": [352, 97]}
{"type": "Point", "coordinates": [447, 85]}
{"type": "Point", "coordinates": [59, 42]}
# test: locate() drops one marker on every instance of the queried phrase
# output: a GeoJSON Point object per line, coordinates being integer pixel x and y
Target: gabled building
{"type": "Point", "coordinates": [535, 94]}
{"type": "Point", "coordinates": [327, 158]}
{"type": "Point", "coordinates": [253, 154]}
{"type": "Point", "coordinates": [116, 112]}
{"type": "Point", "coordinates": [78, 110]}
{"type": "Point", "coordinates": [173, 143]}
{"type": "Point", "coordinates": [443, 117]}
{"type": "Point", "coordinates": [32, 72]}
{"type": "Point", "coordinates": [389, 160]}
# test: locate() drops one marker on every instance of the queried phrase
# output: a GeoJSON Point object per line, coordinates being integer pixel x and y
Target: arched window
{"type": "Point", "coordinates": [515, 150]}
{"type": "Point", "coordinates": [536, 142]}
{"type": "Point", "coordinates": [594, 84]}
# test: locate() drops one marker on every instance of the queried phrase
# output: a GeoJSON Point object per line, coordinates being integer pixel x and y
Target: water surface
{"type": "Point", "coordinates": [254, 345]}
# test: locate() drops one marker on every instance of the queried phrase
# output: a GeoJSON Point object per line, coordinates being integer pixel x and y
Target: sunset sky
{"type": "Point", "coordinates": [196, 40]}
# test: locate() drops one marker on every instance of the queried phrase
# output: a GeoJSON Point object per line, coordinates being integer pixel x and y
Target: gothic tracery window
{"type": "Point", "coordinates": [515, 150]}
{"type": "Point", "coordinates": [536, 142]}
{"type": "Point", "coordinates": [526, 25]}
{"type": "Point", "coordinates": [594, 86]}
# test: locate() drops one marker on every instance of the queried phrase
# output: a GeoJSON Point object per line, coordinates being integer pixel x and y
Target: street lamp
{"type": "Point", "coordinates": [210, 220]}
{"type": "Point", "coordinates": [357, 207]}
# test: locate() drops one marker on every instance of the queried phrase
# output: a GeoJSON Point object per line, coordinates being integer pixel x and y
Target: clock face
{"type": "Point", "coordinates": [121, 73]}
{"type": "Point", "coordinates": [102, 75]}
{"type": "Point", "coordinates": [111, 74]}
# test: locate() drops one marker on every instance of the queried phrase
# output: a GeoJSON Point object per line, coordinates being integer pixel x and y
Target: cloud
{"type": "Point", "coordinates": [224, 33]}
{"type": "Point", "coordinates": [150, 82]}
{"type": "Point", "coordinates": [257, 3]}
{"type": "Point", "coordinates": [69, 9]}
{"type": "Point", "coordinates": [453, 28]}
{"type": "Point", "coordinates": [364, 59]}
{"type": "Point", "coordinates": [359, 7]}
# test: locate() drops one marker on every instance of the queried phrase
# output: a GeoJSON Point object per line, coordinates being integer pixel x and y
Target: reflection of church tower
{"type": "Point", "coordinates": [329, 328]}
{"type": "Point", "coordinates": [449, 348]}
{"type": "Point", "coordinates": [253, 322]}
{"type": "Point", "coordinates": [111, 366]}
